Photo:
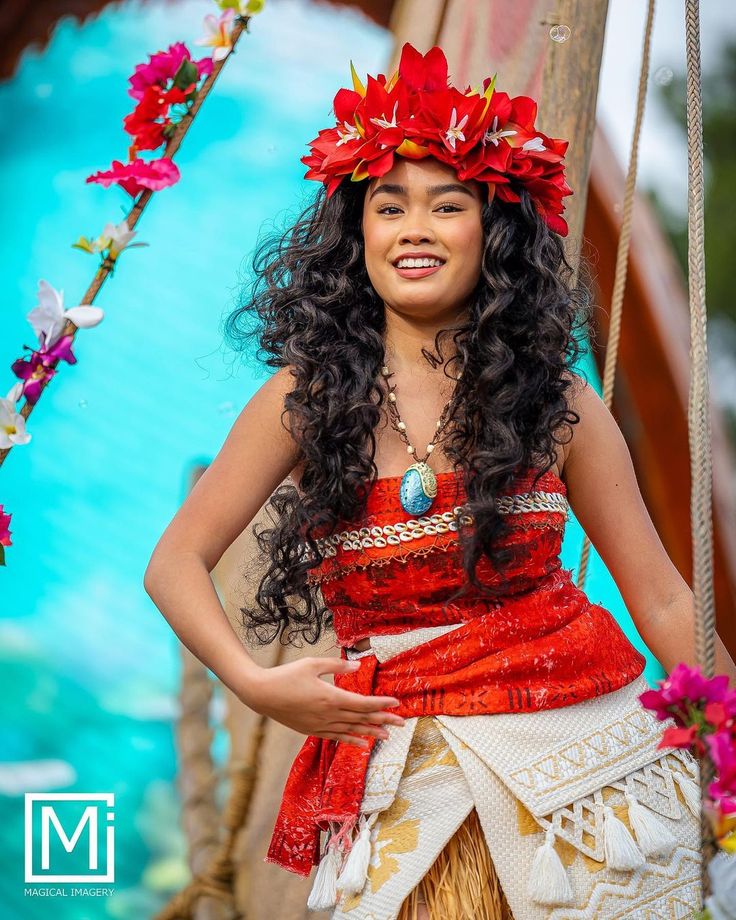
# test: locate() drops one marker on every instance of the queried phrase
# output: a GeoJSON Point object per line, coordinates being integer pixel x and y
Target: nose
{"type": "Point", "coordinates": [416, 235]}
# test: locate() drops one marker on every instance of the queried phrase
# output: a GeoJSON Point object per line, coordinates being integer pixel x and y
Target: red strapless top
{"type": "Point", "coordinates": [540, 645]}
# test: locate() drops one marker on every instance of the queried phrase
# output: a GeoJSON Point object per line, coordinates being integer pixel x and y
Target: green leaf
{"type": "Point", "coordinates": [186, 74]}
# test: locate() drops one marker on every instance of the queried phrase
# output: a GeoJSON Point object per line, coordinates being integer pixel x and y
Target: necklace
{"type": "Point", "coordinates": [418, 484]}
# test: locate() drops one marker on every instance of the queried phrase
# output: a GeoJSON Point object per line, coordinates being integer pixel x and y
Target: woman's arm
{"type": "Point", "coordinates": [256, 457]}
{"type": "Point", "coordinates": [604, 494]}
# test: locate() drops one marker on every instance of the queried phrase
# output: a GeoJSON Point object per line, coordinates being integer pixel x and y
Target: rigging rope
{"type": "Point", "coordinates": [622, 253]}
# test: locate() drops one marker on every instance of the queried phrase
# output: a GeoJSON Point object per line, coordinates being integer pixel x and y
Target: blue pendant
{"type": "Point", "coordinates": [418, 488]}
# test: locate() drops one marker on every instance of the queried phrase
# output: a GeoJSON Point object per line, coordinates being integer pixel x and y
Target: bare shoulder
{"type": "Point", "coordinates": [604, 494]}
{"type": "Point", "coordinates": [577, 395]}
{"type": "Point", "coordinates": [258, 453]}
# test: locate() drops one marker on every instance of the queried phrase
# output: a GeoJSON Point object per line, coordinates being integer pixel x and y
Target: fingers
{"type": "Point", "coordinates": [374, 718]}
{"type": "Point", "coordinates": [335, 666]}
{"type": "Point", "coordinates": [356, 702]}
{"type": "Point", "coordinates": [348, 739]}
{"type": "Point", "coordinates": [359, 728]}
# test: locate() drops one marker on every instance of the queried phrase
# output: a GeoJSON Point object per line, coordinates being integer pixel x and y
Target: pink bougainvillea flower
{"type": "Point", "coordinates": [49, 317]}
{"type": "Point", "coordinates": [4, 533]}
{"type": "Point", "coordinates": [722, 715]}
{"type": "Point", "coordinates": [12, 424]}
{"type": "Point", "coordinates": [137, 175]}
{"type": "Point", "coordinates": [4, 525]}
{"type": "Point", "coordinates": [722, 747]}
{"type": "Point", "coordinates": [164, 66]}
{"type": "Point", "coordinates": [684, 686]}
{"type": "Point", "coordinates": [37, 369]}
{"type": "Point", "coordinates": [217, 33]}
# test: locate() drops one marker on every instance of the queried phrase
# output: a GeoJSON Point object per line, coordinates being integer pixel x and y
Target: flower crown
{"type": "Point", "coordinates": [483, 134]}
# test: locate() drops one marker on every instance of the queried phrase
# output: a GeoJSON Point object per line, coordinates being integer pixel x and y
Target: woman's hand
{"type": "Point", "coordinates": [294, 695]}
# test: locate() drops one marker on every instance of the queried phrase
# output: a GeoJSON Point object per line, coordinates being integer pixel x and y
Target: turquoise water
{"type": "Point", "coordinates": [90, 669]}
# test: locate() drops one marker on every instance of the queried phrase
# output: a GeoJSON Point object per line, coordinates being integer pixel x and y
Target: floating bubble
{"type": "Point", "coordinates": [663, 76]}
{"type": "Point", "coordinates": [559, 33]}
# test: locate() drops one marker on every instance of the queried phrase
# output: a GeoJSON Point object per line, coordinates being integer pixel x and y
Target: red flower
{"type": "Point", "coordinates": [150, 118]}
{"type": "Point", "coordinates": [483, 135]}
{"type": "Point", "coordinates": [682, 738]}
{"type": "Point", "coordinates": [138, 174]}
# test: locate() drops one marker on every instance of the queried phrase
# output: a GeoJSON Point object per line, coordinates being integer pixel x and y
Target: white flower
{"type": "Point", "coordinates": [49, 317]}
{"type": "Point", "coordinates": [349, 134]}
{"type": "Point", "coordinates": [217, 33]}
{"type": "Point", "coordinates": [12, 424]}
{"type": "Point", "coordinates": [455, 131]}
{"type": "Point", "coordinates": [494, 135]}
{"type": "Point", "coordinates": [722, 871]}
{"type": "Point", "coordinates": [118, 237]}
{"type": "Point", "coordinates": [383, 123]}
{"type": "Point", "coordinates": [535, 144]}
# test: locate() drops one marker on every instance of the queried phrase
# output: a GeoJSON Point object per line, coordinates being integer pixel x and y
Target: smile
{"type": "Point", "coordinates": [417, 268]}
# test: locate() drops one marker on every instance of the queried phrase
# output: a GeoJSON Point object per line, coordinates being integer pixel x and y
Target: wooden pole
{"type": "Point", "coordinates": [568, 98]}
{"type": "Point", "coordinates": [480, 38]}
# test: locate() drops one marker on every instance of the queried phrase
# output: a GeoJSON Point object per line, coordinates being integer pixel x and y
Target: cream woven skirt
{"type": "Point", "coordinates": [564, 814]}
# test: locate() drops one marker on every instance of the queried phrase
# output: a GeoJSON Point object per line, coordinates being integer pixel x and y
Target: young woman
{"type": "Point", "coordinates": [482, 752]}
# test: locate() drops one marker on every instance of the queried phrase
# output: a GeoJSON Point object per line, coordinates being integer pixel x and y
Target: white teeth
{"type": "Point", "coordinates": [417, 263]}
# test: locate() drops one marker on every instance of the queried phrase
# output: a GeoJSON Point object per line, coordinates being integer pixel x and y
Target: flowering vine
{"type": "Point", "coordinates": [168, 90]}
{"type": "Point", "coordinates": [704, 712]}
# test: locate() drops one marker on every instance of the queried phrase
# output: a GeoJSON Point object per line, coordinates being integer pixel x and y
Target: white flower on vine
{"type": "Point", "coordinates": [49, 317]}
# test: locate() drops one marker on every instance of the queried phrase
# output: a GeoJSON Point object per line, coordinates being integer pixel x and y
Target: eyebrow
{"type": "Point", "coordinates": [432, 190]}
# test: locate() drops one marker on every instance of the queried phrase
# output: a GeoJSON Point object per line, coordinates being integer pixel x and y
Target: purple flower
{"type": "Point", "coordinates": [36, 370]}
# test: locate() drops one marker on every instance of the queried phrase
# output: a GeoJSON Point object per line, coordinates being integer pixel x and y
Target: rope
{"type": "Point", "coordinates": [217, 881]}
{"type": "Point", "coordinates": [622, 253]}
{"type": "Point", "coordinates": [698, 412]}
{"type": "Point", "coordinates": [197, 772]}
{"type": "Point", "coordinates": [698, 401]}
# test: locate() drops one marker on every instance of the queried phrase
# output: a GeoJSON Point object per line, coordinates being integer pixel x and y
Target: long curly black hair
{"type": "Point", "coordinates": [310, 305]}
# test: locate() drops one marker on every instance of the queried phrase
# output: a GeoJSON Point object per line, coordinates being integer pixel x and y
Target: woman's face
{"type": "Point", "coordinates": [420, 210]}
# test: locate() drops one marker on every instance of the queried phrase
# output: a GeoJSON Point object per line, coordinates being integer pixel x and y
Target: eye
{"type": "Point", "coordinates": [392, 207]}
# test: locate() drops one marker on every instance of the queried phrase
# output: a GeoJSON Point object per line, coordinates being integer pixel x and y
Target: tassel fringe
{"type": "Point", "coordinates": [548, 881]}
{"type": "Point", "coordinates": [323, 895]}
{"type": "Point", "coordinates": [355, 871]}
{"type": "Point", "coordinates": [653, 837]}
{"type": "Point", "coordinates": [619, 846]}
{"type": "Point", "coordinates": [690, 791]}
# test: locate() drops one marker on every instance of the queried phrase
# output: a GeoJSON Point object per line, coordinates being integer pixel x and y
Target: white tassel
{"type": "Point", "coordinates": [355, 871]}
{"type": "Point", "coordinates": [690, 791]}
{"type": "Point", "coordinates": [548, 881]}
{"type": "Point", "coordinates": [653, 837]}
{"type": "Point", "coordinates": [323, 895]}
{"type": "Point", "coordinates": [619, 846]}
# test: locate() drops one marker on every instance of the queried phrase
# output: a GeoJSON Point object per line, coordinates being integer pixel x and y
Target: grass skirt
{"type": "Point", "coordinates": [462, 882]}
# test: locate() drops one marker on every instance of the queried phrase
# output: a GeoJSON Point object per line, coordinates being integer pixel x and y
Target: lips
{"type": "Point", "coordinates": [418, 272]}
